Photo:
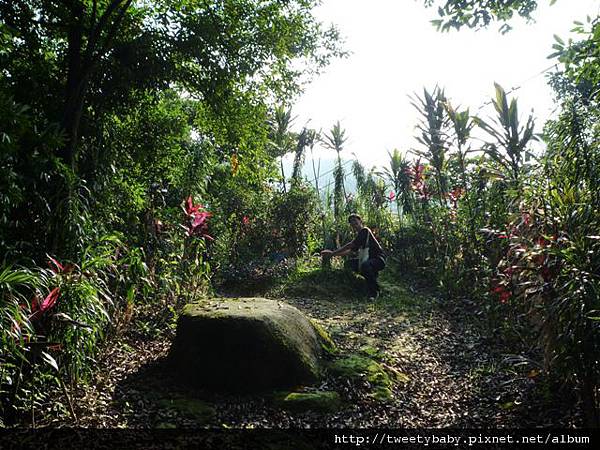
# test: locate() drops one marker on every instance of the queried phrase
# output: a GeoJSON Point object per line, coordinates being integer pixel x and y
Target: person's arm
{"type": "Point", "coordinates": [338, 252]}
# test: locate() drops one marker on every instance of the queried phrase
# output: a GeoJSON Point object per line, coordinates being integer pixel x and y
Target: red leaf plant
{"type": "Point", "coordinates": [58, 268]}
{"type": "Point", "coordinates": [39, 309]}
{"type": "Point", "coordinates": [454, 195]}
{"type": "Point", "coordinates": [198, 220]}
{"type": "Point", "coordinates": [417, 175]}
{"type": "Point", "coordinates": [500, 291]}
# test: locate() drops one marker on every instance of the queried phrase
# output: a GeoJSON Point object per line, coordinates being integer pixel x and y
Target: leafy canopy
{"type": "Point", "coordinates": [479, 13]}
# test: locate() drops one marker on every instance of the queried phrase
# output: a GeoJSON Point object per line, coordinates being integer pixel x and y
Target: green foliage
{"type": "Point", "coordinates": [479, 13]}
{"type": "Point", "coordinates": [433, 126]}
{"type": "Point", "coordinates": [511, 140]}
{"type": "Point", "coordinates": [281, 138]}
{"type": "Point", "coordinates": [398, 175]}
{"type": "Point", "coordinates": [114, 113]}
{"type": "Point", "coordinates": [294, 216]}
{"type": "Point", "coordinates": [335, 140]}
{"type": "Point", "coordinates": [306, 138]}
{"type": "Point", "coordinates": [25, 178]}
{"type": "Point", "coordinates": [310, 280]}
{"type": "Point", "coordinates": [520, 234]}
{"type": "Point", "coordinates": [371, 201]}
{"type": "Point", "coordinates": [118, 117]}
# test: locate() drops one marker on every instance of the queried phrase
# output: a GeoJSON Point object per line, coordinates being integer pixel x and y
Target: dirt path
{"type": "Point", "coordinates": [449, 376]}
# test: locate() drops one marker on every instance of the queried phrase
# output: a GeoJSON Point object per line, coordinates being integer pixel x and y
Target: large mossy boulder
{"type": "Point", "coordinates": [245, 345]}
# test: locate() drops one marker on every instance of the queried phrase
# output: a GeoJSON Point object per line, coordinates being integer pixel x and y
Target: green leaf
{"type": "Point", "coordinates": [50, 360]}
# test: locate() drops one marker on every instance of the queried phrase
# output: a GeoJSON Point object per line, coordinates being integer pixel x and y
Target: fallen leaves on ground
{"type": "Point", "coordinates": [450, 375]}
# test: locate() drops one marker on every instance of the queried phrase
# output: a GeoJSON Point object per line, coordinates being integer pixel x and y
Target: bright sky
{"type": "Point", "coordinates": [396, 52]}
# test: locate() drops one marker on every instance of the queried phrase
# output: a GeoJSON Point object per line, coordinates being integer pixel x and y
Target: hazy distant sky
{"type": "Point", "coordinates": [396, 52]}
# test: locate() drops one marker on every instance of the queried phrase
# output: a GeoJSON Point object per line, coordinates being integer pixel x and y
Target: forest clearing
{"type": "Point", "coordinates": [146, 213]}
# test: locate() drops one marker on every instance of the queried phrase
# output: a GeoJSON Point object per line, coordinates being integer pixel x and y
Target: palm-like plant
{"type": "Point", "coordinates": [306, 138]}
{"type": "Point", "coordinates": [371, 189]}
{"type": "Point", "coordinates": [511, 138]}
{"type": "Point", "coordinates": [434, 129]}
{"type": "Point", "coordinates": [313, 138]}
{"type": "Point", "coordinates": [462, 124]}
{"type": "Point", "coordinates": [398, 175]}
{"type": "Point", "coordinates": [358, 170]}
{"type": "Point", "coordinates": [335, 140]}
{"type": "Point", "coordinates": [281, 139]}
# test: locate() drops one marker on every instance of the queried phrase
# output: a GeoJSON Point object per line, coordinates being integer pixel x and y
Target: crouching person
{"type": "Point", "coordinates": [371, 259]}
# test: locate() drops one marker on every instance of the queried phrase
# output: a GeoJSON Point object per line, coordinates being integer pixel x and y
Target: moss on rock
{"type": "Point", "coordinates": [321, 401]}
{"type": "Point", "coordinates": [326, 342]}
{"type": "Point", "coordinates": [246, 345]}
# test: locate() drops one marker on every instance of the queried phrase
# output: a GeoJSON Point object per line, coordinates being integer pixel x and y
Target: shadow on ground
{"type": "Point", "coordinates": [448, 372]}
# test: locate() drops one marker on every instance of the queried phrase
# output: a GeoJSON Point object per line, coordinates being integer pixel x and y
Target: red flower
{"type": "Point", "coordinates": [504, 296]}
{"type": "Point", "coordinates": [392, 196]}
{"type": "Point", "coordinates": [246, 220]}
{"type": "Point", "coordinates": [199, 225]}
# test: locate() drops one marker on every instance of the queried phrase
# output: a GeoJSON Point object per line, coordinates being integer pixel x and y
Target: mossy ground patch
{"type": "Point", "coordinates": [321, 401]}
{"type": "Point", "coordinates": [381, 378]}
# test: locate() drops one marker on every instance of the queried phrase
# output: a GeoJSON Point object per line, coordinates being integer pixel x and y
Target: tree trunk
{"type": "Point", "coordinates": [74, 93]}
{"type": "Point", "coordinates": [282, 176]}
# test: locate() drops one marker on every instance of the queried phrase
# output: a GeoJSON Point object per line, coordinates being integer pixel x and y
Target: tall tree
{"type": "Point", "coordinates": [335, 140]}
{"type": "Point", "coordinates": [281, 137]}
{"type": "Point", "coordinates": [73, 63]}
{"type": "Point", "coordinates": [305, 139]}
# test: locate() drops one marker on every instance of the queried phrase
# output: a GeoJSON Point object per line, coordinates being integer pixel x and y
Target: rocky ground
{"type": "Point", "coordinates": [420, 362]}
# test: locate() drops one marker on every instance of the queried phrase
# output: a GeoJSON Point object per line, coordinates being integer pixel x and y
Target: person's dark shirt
{"type": "Point", "coordinates": [375, 250]}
